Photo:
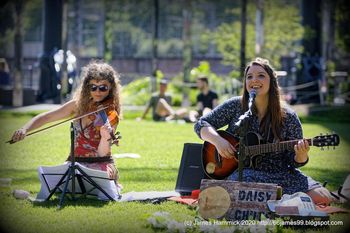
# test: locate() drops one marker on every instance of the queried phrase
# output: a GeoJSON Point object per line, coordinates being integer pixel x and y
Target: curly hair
{"type": "Point", "coordinates": [97, 70]}
{"type": "Point", "coordinates": [274, 115]}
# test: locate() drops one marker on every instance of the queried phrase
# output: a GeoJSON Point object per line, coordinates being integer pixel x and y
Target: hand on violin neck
{"type": "Point", "coordinates": [106, 131]}
{"type": "Point", "coordinates": [107, 134]}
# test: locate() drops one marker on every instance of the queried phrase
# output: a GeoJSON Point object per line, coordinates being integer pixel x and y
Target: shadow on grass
{"type": "Point", "coordinates": [334, 178]}
{"type": "Point", "coordinates": [139, 174]}
{"type": "Point", "coordinates": [20, 176]}
{"type": "Point", "coordinates": [148, 174]}
{"type": "Point", "coordinates": [335, 118]}
{"type": "Point", "coordinates": [79, 201]}
{"type": "Point", "coordinates": [325, 113]}
{"type": "Point", "coordinates": [341, 128]}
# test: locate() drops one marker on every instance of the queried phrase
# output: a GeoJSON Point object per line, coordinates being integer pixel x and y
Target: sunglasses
{"type": "Point", "coordinates": [102, 88]}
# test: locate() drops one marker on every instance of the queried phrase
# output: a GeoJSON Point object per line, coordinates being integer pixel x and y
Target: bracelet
{"type": "Point", "coordinates": [303, 163]}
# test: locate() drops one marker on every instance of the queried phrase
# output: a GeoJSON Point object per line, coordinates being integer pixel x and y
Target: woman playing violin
{"type": "Point", "coordinates": [92, 142]}
{"type": "Point", "coordinates": [274, 123]}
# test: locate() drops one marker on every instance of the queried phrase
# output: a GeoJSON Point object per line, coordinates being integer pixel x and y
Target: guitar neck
{"type": "Point", "coordinates": [273, 147]}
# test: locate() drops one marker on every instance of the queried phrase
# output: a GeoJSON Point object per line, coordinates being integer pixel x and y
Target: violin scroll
{"type": "Point", "coordinates": [106, 121]}
{"type": "Point", "coordinates": [116, 138]}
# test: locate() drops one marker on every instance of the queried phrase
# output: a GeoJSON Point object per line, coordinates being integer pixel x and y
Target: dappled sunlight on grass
{"type": "Point", "coordinates": [330, 164]}
{"type": "Point", "coordinates": [160, 148]}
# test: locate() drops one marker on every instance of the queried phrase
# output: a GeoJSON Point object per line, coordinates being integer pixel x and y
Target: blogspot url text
{"type": "Point", "coordinates": [265, 223]}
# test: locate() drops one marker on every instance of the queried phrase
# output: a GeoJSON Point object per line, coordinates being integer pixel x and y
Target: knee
{"type": "Point", "coordinates": [162, 102]}
{"type": "Point", "coordinates": [206, 111]}
{"type": "Point", "coordinates": [160, 105]}
{"type": "Point", "coordinates": [320, 196]}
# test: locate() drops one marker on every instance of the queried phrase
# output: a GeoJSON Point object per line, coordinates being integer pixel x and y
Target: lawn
{"type": "Point", "coordinates": [160, 146]}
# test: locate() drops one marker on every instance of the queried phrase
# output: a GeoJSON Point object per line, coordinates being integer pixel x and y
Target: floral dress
{"type": "Point", "coordinates": [278, 168]}
{"type": "Point", "coordinates": [86, 141]}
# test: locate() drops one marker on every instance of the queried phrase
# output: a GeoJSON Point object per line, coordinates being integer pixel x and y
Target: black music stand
{"type": "Point", "coordinates": [242, 123]}
{"type": "Point", "coordinates": [70, 175]}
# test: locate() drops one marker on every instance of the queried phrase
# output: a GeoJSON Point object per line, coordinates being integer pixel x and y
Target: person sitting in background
{"type": "Point", "coordinates": [206, 99]}
{"type": "Point", "coordinates": [5, 79]}
{"type": "Point", "coordinates": [161, 105]}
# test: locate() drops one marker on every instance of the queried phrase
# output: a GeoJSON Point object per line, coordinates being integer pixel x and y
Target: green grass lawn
{"type": "Point", "coordinates": [160, 146]}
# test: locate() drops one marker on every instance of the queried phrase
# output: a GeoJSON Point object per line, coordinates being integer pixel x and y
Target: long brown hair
{"type": "Point", "coordinates": [274, 115]}
{"type": "Point", "coordinates": [97, 70]}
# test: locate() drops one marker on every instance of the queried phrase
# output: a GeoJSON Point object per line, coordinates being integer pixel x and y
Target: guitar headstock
{"type": "Point", "coordinates": [326, 140]}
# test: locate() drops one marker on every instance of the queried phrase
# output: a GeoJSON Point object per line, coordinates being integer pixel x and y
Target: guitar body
{"type": "Point", "coordinates": [215, 166]}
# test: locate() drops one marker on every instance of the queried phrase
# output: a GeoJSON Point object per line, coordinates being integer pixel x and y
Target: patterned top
{"type": "Point", "coordinates": [279, 168]}
{"type": "Point", "coordinates": [86, 142]}
{"type": "Point", "coordinates": [87, 139]}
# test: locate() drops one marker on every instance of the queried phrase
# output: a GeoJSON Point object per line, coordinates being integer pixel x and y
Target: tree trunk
{"type": "Point", "coordinates": [18, 86]}
{"type": "Point", "coordinates": [77, 24]}
{"type": "Point", "coordinates": [155, 46]}
{"type": "Point", "coordinates": [187, 50]}
{"type": "Point", "coordinates": [64, 73]}
{"type": "Point", "coordinates": [259, 27]}
{"type": "Point", "coordinates": [108, 31]}
{"type": "Point", "coordinates": [49, 82]}
{"type": "Point", "coordinates": [243, 36]}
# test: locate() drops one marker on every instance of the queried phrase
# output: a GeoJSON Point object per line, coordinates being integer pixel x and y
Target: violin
{"type": "Point", "coordinates": [106, 109]}
{"type": "Point", "coordinates": [109, 115]}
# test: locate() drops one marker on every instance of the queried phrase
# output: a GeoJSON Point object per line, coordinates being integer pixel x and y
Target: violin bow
{"type": "Point", "coordinates": [59, 123]}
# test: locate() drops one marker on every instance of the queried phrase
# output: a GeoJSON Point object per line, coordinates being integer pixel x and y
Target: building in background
{"type": "Point", "coordinates": [122, 32]}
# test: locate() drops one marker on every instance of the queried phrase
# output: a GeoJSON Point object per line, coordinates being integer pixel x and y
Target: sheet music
{"type": "Point", "coordinates": [50, 176]}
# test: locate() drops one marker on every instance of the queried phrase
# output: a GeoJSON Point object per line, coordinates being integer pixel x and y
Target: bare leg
{"type": "Point", "coordinates": [164, 109]}
{"type": "Point", "coordinates": [206, 111]}
{"type": "Point", "coordinates": [193, 116]}
{"type": "Point", "coordinates": [181, 113]}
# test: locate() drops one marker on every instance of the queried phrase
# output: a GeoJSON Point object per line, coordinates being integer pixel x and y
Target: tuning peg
{"type": "Point", "coordinates": [115, 142]}
{"type": "Point", "coordinates": [325, 183]}
{"type": "Point", "coordinates": [117, 133]}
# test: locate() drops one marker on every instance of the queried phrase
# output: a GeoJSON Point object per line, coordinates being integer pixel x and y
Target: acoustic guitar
{"type": "Point", "coordinates": [217, 167]}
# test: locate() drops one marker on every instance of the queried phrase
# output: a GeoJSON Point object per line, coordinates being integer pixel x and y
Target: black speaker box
{"type": "Point", "coordinates": [191, 169]}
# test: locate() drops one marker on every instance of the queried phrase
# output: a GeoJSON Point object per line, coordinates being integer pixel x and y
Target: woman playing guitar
{"type": "Point", "coordinates": [100, 89]}
{"type": "Point", "coordinates": [274, 123]}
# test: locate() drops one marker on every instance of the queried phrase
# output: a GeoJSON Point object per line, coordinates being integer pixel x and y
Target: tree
{"type": "Point", "coordinates": [282, 33]}
{"type": "Point", "coordinates": [187, 50]}
{"type": "Point", "coordinates": [342, 37]}
{"type": "Point", "coordinates": [243, 35]}
{"type": "Point", "coordinates": [18, 88]}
